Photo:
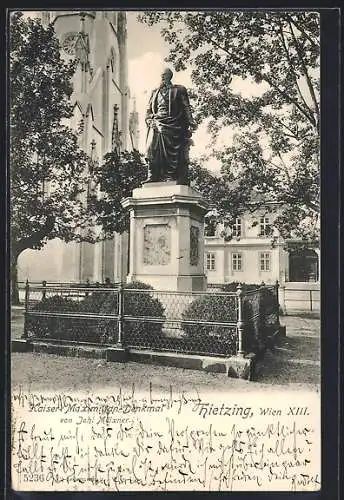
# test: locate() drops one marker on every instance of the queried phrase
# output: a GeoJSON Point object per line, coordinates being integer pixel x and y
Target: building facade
{"type": "Point", "coordinates": [256, 253]}
{"type": "Point", "coordinates": [104, 121]}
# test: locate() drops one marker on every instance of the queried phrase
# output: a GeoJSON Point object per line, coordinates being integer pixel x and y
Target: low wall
{"type": "Point", "coordinates": [233, 366]}
{"type": "Point", "coordinates": [297, 296]}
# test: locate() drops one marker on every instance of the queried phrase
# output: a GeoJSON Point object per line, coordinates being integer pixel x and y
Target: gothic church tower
{"type": "Point", "coordinates": [98, 41]}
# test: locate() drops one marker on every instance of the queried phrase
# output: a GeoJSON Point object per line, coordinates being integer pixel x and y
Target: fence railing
{"type": "Point", "coordinates": [302, 299]}
{"type": "Point", "coordinates": [135, 316]}
{"type": "Point", "coordinates": [60, 284]}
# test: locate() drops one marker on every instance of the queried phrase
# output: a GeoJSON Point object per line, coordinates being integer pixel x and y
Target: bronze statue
{"type": "Point", "coordinates": [170, 125]}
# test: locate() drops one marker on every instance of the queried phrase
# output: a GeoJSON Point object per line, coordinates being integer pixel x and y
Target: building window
{"type": "Point", "coordinates": [236, 262]}
{"type": "Point", "coordinates": [265, 261]}
{"type": "Point", "coordinates": [236, 228]}
{"type": "Point", "coordinates": [210, 228]}
{"type": "Point", "coordinates": [265, 226]}
{"type": "Point", "coordinates": [210, 262]}
{"type": "Point", "coordinates": [113, 60]}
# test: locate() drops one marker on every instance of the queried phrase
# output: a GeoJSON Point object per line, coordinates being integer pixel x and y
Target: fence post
{"type": "Point", "coordinates": [44, 291]}
{"type": "Point", "coordinates": [262, 312]}
{"type": "Point", "coordinates": [240, 323]}
{"type": "Point", "coordinates": [120, 313]}
{"type": "Point", "coordinates": [281, 298]}
{"type": "Point", "coordinates": [26, 303]}
{"type": "Point", "coordinates": [87, 286]}
{"type": "Point", "coordinates": [277, 302]}
{"type": "Point", "coordinates": [310, 300]}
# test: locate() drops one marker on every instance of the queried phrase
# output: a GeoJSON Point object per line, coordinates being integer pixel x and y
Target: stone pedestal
{"type": "Point", "coordinates": [167, 236]}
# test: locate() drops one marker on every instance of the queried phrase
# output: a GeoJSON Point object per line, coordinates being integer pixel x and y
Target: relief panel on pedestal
{"type": "Point", "coordinates": [157, 244]}
{"type": "Point", "coordinates": [194, 245]}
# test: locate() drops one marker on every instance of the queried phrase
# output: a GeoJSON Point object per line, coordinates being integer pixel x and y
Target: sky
{"type": "Point", "coordinates": [146, 52]}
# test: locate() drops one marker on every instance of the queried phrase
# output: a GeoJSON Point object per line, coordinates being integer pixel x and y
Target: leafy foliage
{"type": "Point", "coordinates": [47, 165]}
{"type": "Point", "coordinates": [259, 311]}
{"type": "Point", "coordinates": [275, 152]}
{"type": "Point", "coordinates": [117, 176]}
{"type": "Point", "coordinates": [233, 286]}
{"type": "Point", "coordinates": [142, 304]}
{"type": "Point", "coordinates": [48, 170]}
{"type": "Point", "coordinates": [135, 304]}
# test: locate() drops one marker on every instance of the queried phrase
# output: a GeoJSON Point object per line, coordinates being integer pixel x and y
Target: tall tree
{"type": "Point", "coordinates": [47, 168]}
{"type": "Point", "coordinates": [276, 148]}
{"type": "Point", "coordinates": [116, 176]}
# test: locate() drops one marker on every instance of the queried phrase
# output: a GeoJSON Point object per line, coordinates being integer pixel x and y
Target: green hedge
{"type": "Point", "coordinates": [138, 301]}
{"type": "Point", "coordinates": [142, 304]}
{"type": "Point", "coordinates": [135, 304]}
{"type": "Point", "coordinates": [100, 330]}
{"type": "Point", "coordinates": [212, 307]}
{"type": "Point", "coordinates": [259, 314]}
{"type": "Point", "coordinates": [56, 327]}
{"type": "Point", "coordinates": [233, 286]}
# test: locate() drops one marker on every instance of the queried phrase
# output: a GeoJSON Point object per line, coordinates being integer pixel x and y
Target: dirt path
{"type": "Point", "coordinates": [297, 358]}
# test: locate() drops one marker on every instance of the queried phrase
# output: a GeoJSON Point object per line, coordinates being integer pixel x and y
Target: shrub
{"type": "Point", "coordinates": [141, 333]}
{"type": "Point", "coordinates": [101, 303]}
{"type": "Point", "coordinates": [232, 286]}
{"type": "Point", "coordinates": [94, 301]}
{"type": "Point", "coordinates": [136, 303]}
{"type": "Point", "coordinates": [259, 315]}
{"type": "Point", "coordinates": [54, 327]}
{"type": "Point", "coordinates": [206, 337]}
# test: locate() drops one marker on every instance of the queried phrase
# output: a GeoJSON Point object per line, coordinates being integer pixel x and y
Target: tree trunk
{"type": "Point", "coordinates": [14, 280]}
{"type": "Point", "coordinates": [21, 244]}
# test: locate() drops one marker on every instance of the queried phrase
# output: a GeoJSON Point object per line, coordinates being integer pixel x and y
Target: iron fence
{"type": "Point", "coordinates": [43, 285]}
{"type": "Point", "coordinates": [137, 317]}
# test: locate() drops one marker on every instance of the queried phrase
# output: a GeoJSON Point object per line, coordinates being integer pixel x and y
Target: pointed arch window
{"type": "Point", "coordinates": [93, 162]}
{"type": "Point", "coordinates": [113, 60]}
{"type": "Point", "coordinates": [116, 134]}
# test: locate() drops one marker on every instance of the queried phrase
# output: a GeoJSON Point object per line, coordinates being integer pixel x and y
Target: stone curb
{"type": "Point", "coordinates": [242, 367]}
{"type": "Point", "coordinates": [234, 366]}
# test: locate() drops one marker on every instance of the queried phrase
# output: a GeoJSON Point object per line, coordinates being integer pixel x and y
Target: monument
{"type": "Point", "coordinates": [166, 214]}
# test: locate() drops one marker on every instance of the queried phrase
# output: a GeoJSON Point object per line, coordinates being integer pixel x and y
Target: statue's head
{"type": "Point", "coordinates": [166, 75]}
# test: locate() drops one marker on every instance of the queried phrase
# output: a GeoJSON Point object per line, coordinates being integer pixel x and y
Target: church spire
{"type": "Point", "coordinates": [123, 72]}
{"type": "Point", "coordinates": [134, 126]}
{"type": "Point", "coordinates": [122, 26]}
{"type": "Point", "coordinates": [46, 17]}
